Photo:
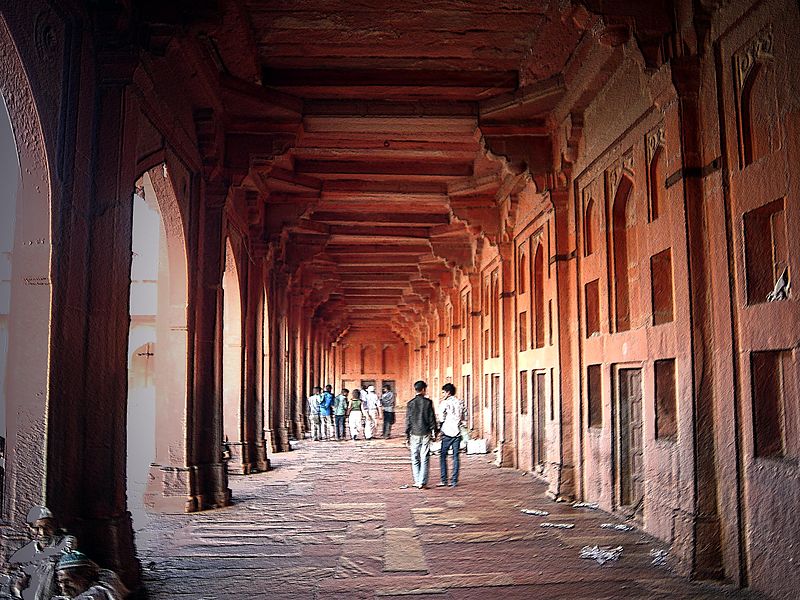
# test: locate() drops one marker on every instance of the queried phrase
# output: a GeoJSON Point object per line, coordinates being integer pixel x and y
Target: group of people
{"type": "Point", "coordinates": [361, 409]}
{"type": "Point", "coordinates": [50, 567]}
{"type": "Point", "coordinates": [423, 425]}
{"type": "Point", "coordinates": [330, 417]}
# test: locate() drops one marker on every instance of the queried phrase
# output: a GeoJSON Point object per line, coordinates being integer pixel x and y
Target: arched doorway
{"type": "Point", "coordinates": [25, 290]}
{"type": "Point", "coordinates": [9, 180]}
{"type": "Point", "coordinates": [232, 358]}
{"type": "Point", "coordinates": [157, 343]}
{"type": "Point", "coordinates": [142, 342]}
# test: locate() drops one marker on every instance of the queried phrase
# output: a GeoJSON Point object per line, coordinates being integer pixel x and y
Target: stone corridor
{"type": "Point", "coordinates": [334, 520]}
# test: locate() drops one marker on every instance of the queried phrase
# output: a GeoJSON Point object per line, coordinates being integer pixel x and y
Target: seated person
{"type": "Point", "coordinates": [82, 579]}
{"type": "Point", "coordinates": [35, 562]}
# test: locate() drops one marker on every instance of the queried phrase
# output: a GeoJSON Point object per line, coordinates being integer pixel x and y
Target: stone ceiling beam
{"type": "Point", "coordinates": [421, 219]}
{"type": "Point", "coordinates": [409, 168]}
{"type": "Point", "coordinates": [384, 232]}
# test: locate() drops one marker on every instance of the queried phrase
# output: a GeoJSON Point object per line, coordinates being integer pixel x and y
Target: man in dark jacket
{"type": "Point", "coordinates": [421, 427]}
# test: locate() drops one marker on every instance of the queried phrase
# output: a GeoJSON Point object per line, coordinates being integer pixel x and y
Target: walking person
{"type": "Point", "coordinates": [325, 414]}
{"type": "Point", "coordinates": [314, 401]}
{"type": "Point", "coordinates": [421, 427]}
{"type": "Point", "coordinates": [340, 413]}
{"type": "Point", "coordinates": [370, 404]}
{"type": "Point", "coordinates": [387, 406]}
{"type": "Point", "coordinates": [354, 414]}
{"type": "Point", "coordinates": [452, 415]}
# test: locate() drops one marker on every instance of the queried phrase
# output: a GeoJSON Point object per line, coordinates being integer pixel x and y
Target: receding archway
{"type": "Point", "coordinates": [157, 342]}
{"type": "Point", "coordinates": [25, 290]}
{"type": "Point", "coordinates": [232, 356]}
{"type": "Point", "coordinates": [9, 180]}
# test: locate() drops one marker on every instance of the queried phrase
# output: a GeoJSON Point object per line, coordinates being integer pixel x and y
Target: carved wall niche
{"type": "Point", "coordinates": [756, 101]}
{"type": "Point", "coordinates": [590, 222]}
{"type": "Point", "coordinates": [654, 156]}
{"type": "Point", "coordinates": [623, 167]}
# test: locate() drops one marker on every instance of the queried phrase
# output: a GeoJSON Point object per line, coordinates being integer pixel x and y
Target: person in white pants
{"type": "Point", "coordinates": [371, 404]}
{"type": "Point", "coordinates": [354, 414]}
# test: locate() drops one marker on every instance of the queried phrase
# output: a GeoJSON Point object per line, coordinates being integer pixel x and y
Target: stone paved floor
{"type": "Point", "coordinates": [331, 521]}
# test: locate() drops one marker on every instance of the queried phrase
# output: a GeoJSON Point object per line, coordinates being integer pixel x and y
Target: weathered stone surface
{"type": "Point", "coordinates": [362, 536]}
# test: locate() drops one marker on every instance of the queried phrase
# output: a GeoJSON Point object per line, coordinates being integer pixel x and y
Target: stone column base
{"type": "Point", "coordinates": [298, 429]}
{"type": "Point", "coordinates": [280, 439]}
{"type": "Point", "coordinates": [562, 482]}
{"type": "Point", "coordinates": [187, 489]}
{"type": "Point", "coordinates": [260, 460]}
{"type": "Point", "coordinates": [508, 454]}
{"type": "Point", "coordinates": [109, 542]}
{"type": "Point", "coordinates": [696, 550]}
{"type": "Point", "coordinates": [247, 458]}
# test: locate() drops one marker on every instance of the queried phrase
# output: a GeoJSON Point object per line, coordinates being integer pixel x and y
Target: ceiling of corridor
{"type": "Point", "coordinates": [373, 145]}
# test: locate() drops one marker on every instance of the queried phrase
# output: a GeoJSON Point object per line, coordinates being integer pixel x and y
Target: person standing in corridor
{"type": "Point", "coordinates": [354, 415]}
{"type": "Point", "coordinates": [325, 414]}
{"type": "Point", "coordinates": [451, 416]}
{"type": "Point", "coordinates": [340, 413]}
{"type": "Point", "coordinates": [420, 429]}
{"type": "Point", "coordinates": [387, 405]}
{"type": "Point", "coordinates": [314, 401]}
{"type": "Point", "coordinates": [371, 405]}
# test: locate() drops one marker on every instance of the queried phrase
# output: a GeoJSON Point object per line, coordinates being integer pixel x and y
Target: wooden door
{"type": "Point", "coordinates": [630, 438]}
{"type": "Point", "coordinates": [539, 422]}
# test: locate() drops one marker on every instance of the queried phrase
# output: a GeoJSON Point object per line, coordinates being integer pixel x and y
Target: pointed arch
{"type": "Point", "coordinates": [655, 180]}
{"type": "Point", "coordinates": [621, 234]}
{"type": "Point", "coordinates": [538, 296]}
{"type": "Point", "coordinates": [589, 228]}
{"type": "Point", "coordinates": [26, 295]}
{"type": "Point", "coordinates": [232, 350]}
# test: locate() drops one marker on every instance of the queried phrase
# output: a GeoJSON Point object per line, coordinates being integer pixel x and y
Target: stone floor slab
{"type": "Point", "coordinates": [339, 521]}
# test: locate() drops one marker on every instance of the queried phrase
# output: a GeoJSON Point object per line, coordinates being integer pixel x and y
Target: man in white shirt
{"type": "Point", "coordinates": [451, 416]}
{"type": "Point", "coordinates": [371, 405]}
{"type": "Point", "coordinates": [314, 401]}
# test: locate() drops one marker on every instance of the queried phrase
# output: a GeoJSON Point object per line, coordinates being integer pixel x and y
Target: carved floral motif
{"type": "Point", "coordinates": [757, 49]}
{"type": "Point", "coordinates": [653, 140]}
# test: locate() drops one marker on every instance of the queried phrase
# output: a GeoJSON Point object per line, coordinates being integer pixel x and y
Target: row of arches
{"type": "Point", "coordinates": [126, 357]}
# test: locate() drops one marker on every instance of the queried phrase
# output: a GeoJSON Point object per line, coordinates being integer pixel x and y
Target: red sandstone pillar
{"type": "Point", "coordinates": [508, 429]}
{"type": "Point", "coordinates": [474, 346]}
{"type": "Point", "coordinates": [707, 560]}
{"type": "Point", "coordinates": [308, 382]}
{"type": "Point", "coordinates": [562, 483]}
{"type": "Point", "coordinates": [278, 435]}
{"type": "Point", "coordinates": [253, 458]}
{"type": "Point", "coordinates": [297, 362]}
{"type": "Point", "coordinates": [97, 511]}
{"type": "Point", "coordinates": [208, 478]}
{"type": "Point", "coordinates": [280, 365]}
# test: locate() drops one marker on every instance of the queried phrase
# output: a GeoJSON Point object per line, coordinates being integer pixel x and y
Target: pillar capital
{"type": "Point", "coordinates": [215, 193]}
